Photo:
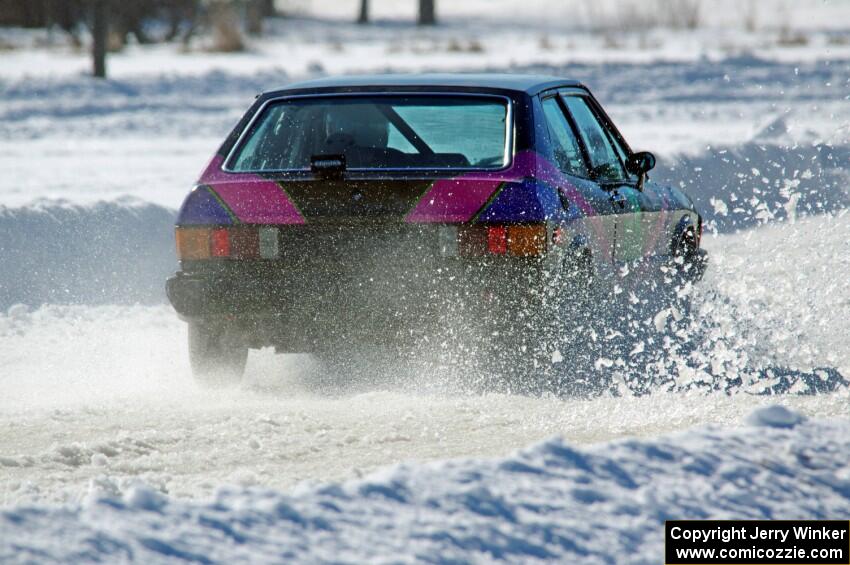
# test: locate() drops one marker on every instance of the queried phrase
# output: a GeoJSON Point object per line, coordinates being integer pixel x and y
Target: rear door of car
{"type": "Point", "coordinates": [654, 217]}
{"type": "Point", "coordinates": [571, 160]}
{"type": "Point", "coordinates": [606, 161]}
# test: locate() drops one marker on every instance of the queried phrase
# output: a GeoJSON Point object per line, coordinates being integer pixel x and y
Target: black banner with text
{"type": "Point", "coordinates": [762, 542]}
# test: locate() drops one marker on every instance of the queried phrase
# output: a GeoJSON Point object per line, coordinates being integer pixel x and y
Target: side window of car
{"type": "Point", "coordinates": [604, 161]}
{"type": "Point", "coordinates": [622, 152]}
{"type": "Point", "coordinates": [564, 143]}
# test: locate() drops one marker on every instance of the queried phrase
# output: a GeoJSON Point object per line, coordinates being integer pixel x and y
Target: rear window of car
{"type": "Point", "coordinates": [378, 132]}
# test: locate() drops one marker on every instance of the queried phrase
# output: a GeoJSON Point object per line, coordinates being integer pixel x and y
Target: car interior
{"type": "Point", "coordinates": [369, 134]}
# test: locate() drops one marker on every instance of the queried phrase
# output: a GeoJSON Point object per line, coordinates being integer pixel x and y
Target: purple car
{"type": "Point", "coordinates": [353, 214]}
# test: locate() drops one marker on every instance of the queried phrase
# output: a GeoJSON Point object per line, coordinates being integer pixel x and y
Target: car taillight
{"type": "Point", "coordinates": [242, 242]}
{"type": "Point", "coordinates": [528, 240]}
{"type": "Point", "coordinates": [497, 240]}
{"type": "Point", "coordinates": [220, 243]}
{"type": "Point", "coordinates": [193, 244]}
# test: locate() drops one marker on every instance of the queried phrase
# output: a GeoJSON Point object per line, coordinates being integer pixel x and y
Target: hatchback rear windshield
{"type": "Point", "coordinates": [378, 132]}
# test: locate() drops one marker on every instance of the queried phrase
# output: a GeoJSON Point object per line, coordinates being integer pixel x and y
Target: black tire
{"type": "Point", "coordinates": [536, 344]}
{"type": "Point", "coordinates": [217, 354]}
{"type": "Point", "coordinates": [511, 356]}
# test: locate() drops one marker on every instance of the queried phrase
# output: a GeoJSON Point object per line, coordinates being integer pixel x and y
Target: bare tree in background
{"type": "Point", "coordinates": [254, 17]}
{"type": "Point", "coordinates": [128, 18]}
{"type": "Point", "coordinates": [363, 18]}
{"type": "Point", "coordinates": [113, 22]}
{"type": "Point", "coordinates": [100, 33]}
{"type": "Point", "coordinates": [427, 12]}
{"type": "Point", "coordinates": [183, 19]}
{"type": "Point", "coordinates": [226, 28]}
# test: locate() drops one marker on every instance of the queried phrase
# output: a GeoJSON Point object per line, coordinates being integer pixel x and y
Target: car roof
{"type": "Point", "coordinates": [531, 84]}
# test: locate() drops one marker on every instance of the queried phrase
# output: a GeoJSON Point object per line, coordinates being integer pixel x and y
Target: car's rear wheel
{"type": "Point", "coordinates": [539, 344]}
{"type": "Point", "coordinates": [217, 353]}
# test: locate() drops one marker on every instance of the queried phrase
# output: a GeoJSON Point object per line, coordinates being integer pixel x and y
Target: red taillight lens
{"type": "Point", "coordinates": [497, 240]}
{"type": "Point", "coordinates": [198, 243]}
{"type": "Point", "coordinates": [220, 243]}
{"type": "Point", "coordinates": [529, 240]}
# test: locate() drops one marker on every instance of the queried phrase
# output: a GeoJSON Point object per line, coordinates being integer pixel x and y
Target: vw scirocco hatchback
{"type": "Point", "coordinates": [351, 213]}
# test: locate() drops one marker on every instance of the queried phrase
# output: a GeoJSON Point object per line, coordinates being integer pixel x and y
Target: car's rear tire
{"type": "Point", "coordinates": [217, 353]}
{"type": "Point", "coordinates": [535, 350]}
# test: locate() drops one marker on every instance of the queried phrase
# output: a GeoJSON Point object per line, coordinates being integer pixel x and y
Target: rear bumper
{"type": "Point", "coordinates": [296, 310]}
{"type": "Point", "coordinates": [197, 296]}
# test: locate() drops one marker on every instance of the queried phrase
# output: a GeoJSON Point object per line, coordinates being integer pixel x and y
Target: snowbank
{"type": "Point", "coordinates": [550, 502]}
{"type": "Point", "coordinates": [108, 252]}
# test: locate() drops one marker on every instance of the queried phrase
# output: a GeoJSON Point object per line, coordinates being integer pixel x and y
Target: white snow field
{"type": "Point", "coordinates": [551, 502]}
{"type": "Point", "coordinates": [110, 453]}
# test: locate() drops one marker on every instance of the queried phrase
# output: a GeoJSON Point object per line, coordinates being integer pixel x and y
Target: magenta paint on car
{"type": "Point", "coordinates": [240, 197]}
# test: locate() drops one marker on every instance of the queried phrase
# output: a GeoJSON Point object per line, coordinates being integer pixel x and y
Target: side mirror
{"type": "Point", "coordinates": [640, 163]}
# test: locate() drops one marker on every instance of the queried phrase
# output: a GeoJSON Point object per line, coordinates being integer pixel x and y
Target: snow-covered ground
{"type": "Point", "coordinates": [108, 451]}
{"type": "Point", "coordinates": [551, 502]}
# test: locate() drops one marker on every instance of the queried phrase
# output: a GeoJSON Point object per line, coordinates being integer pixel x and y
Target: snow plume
{"type": "Point", "coordinates": [757, 182]}
{"type": "Point", "coordinates": [716, 344]}
{"type": "Point", "coordinates": [551, 502]}
{"type": "Point", "coordinates": [769, 318]}
{"type": "Point", "coordinates": [104, 253]}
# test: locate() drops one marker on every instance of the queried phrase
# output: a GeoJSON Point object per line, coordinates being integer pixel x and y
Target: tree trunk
{"type": "Point", "coordinates": [269, 9]}
{"type": "Point", "coordinates": [254, 14]}
{"type": "Point", "coordinates": [427, 12]}
{"type": "Point", "coordinates": [48, 20]}
{"type": "Point", "coordinates": [363, 18]}
{"type": "Point", "coordinates": [100, 32]}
